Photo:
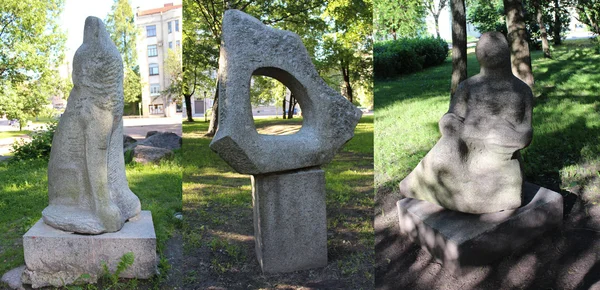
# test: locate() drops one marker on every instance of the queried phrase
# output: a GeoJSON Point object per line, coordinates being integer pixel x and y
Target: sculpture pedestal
{"type": "Point", "coordinates": [457, 239]}
{"type": "Point", "coordinates": [57, 258]}
{"type": "Point", "coordinates": [290, 223]}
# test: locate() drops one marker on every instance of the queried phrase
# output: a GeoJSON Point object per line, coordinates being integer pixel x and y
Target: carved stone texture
{"type": "Point", "coordinates": [248, 48]}
{"type": "Point", "coordinates": [476, 167]}
{"type": "Point", "coordinates": [87, 187]}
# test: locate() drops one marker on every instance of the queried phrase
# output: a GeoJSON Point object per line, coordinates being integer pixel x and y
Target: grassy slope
{"type": "Point", "coordinates": [566, 145]}
{"type": "Point", "coordinates": [24, 194]}
{"type": "Point", "coordinates": [218, 230]}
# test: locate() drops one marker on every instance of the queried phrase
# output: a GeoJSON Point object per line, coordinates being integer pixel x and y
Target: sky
{"type": "Point", "coordinates": [76, 11]}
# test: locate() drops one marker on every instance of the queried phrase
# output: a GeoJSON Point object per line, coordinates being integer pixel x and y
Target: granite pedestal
{"type": "Point", "coordinates": [458, 239]}
{"type": "Point", "coordinates": [290, 223]}
{"type": "Point", "coordinates": [57, 258]}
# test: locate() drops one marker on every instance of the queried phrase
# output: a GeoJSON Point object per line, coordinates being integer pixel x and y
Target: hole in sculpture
{"type": "Point", "coordinates": [271, 99]}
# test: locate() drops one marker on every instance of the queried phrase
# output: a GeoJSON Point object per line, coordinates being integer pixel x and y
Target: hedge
{"type": "Point", "coordinates": [407, 55]}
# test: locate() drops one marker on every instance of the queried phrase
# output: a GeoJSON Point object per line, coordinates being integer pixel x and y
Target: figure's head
{"type": "Point", "coordinates": [492, 51]}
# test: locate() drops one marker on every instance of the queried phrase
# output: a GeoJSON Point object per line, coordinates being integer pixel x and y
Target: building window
{"type": "Point", "coordinates": [152, 50]}
{"type": "Point", "coordinates": [177, 25]}
{"type": "Point", "coordinates": [150, 30]}
{"type": "Point", "coordinates": [156, 109]}
{"type": "Point", "coordinates": [153, 69]}
{"type": "Point", "coordinates": [170, 44]}
{"type": "Point", "coordinates": [169, 26]}
{"type": "Point", "coordinates": [177, 44]}
{"type": "Point", "coordinates": [154, 89]}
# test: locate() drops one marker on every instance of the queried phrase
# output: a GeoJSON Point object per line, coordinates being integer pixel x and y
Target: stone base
{"type": "Point", "coordinates": [458, 239]}
{"type": "Point", "coordinates": [57, 258]}
{"type": "Point", "coordinates": [290, 223]}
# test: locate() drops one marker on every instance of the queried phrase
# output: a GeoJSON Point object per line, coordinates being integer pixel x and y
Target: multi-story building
{"type": "Point", "coordinates": [160, 32]}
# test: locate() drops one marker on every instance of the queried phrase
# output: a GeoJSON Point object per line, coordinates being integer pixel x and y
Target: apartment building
{"type": "Point", "coordinates": [160, 31]}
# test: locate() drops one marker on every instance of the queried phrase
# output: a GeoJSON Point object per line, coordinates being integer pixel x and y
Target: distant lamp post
{"type": "Point", "coordinates": [205, 117]}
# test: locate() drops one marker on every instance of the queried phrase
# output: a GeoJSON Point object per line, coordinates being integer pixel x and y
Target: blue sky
{"type": "Point", "coordinates": [76, 11]}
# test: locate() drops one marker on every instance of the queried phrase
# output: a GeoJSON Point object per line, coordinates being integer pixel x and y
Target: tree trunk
{"type": "Point", "coordinates": [437, 25]}
{"type": "Point", "coordinates": [214, 118]}
{"type": "Point", "coordinates": [346, 75]}
{"type": "Point", "coordinates": [557, 23]}
{"type": "Point", "coordinates": [291, 106]}
{"type": "Point", "coordinates": [394, 33]}
{"type": "Point", "coordinates": [518, 41]}
{"type": "Point", "coordinates": [459, 44]}
{"type": "Point", "coordinates": [543, 32]}
{"type": "Point", "coordinates": [283, 106]}
{"type": "Point", "coordinates": [188, 107]}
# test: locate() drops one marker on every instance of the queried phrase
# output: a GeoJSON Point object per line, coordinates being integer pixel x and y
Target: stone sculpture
{"type": "Point", "coordinates": [288, 197]}
{"type": "Point", "coordinates": [475, 167]}
{"type": "Point", "coordinates": [87, 187]}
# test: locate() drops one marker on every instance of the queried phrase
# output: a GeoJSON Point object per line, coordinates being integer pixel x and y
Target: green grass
{"type": "Point", "coordinates": [218, 213]}
{"type": "Point", "coordinates": [24, 194]}
{"type": "Point", "coordinates": [566, 120]}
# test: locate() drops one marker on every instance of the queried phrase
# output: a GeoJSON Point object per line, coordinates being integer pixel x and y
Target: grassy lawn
{"type": "Point", "coordinates": [218, 227]}
{"type": "Point", "coordinates": [565, 152]}
{"type": "Point", "coordinates": [24, 194]}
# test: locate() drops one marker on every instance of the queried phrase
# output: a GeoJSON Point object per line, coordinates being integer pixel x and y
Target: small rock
{"type": "Point", "coordinates": [13, 278]}
{"type": "Point", "coordinates": [145, 154]}
{"type": "Point", "coordinates": [178, 216]}
{"type": "Point", "coordinates": [166, 140]}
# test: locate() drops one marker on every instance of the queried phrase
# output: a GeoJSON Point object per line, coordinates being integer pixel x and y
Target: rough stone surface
{"type": "Point", "coordinates": [248, 48]}
{"type": "Point", "coordinates": [476, 167]}
{"type": "Point", "coordinates": [166, 140]}
{"type": "Point", "coordinates": [13, 278]}
{"type": "Point", "coordinates": [290, 224]}
{"type": "Point", "coordinates": [128, 141]}
{"type": "Point", "coordinates": [145, 154]}
{"type": "Point", "coordinates": [458, 239]}
{"type": "Point", "coordinates": [56, 258]}
{"type": "Point", "coordinates": [87, 187]}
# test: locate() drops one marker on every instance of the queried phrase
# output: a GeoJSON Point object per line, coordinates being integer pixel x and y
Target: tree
{"type": "Point", "coordinates": [435, 12]}
{"type": "Point", "coordinates": [398, 17]}
{"type": "Point", "coordinates": [589, 14]}
{"type": "Point", "coordinates": [518, 40]}
{"type": "Point", "coordinates": [123, 32]}
{"type": "Point", "coordinates": [487, 15]}
{"type": "Point", "coordinates": [31, 46]}
{"type": "Point", "coordinates": [459, 44]}
{"type": "Point", "coordinates": [539, 16]}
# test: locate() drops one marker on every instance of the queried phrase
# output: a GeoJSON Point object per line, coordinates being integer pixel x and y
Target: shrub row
{"type": "Point", "coordinates": [407, 55]}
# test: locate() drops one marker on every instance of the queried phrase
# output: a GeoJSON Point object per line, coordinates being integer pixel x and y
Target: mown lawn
{"type": "Point", "coordinates": [12, 134]}
{"type": "Point", "coordinates": [565, 152]}
{"type": "Point", "coordinates": [218, 227]}
{"type": "Point", "coordinates": [24, 194]}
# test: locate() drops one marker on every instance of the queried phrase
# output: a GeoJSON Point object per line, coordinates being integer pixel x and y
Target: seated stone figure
{"type": "Point", "coordinates": [87, 187]}
{"type": "Point", "coordinates": [475, 167]}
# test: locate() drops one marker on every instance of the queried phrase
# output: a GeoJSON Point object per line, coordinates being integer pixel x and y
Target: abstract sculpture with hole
{"type": "Point", "coordinates": [288, 186]}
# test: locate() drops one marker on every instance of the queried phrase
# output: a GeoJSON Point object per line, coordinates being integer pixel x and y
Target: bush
{"type": "Point", "coordinates": [407, 55]}
{"type": "Point", "coordinates": [38, 148]}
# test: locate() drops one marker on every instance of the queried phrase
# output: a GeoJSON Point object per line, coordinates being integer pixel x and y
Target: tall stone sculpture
{"type": "Point", "coordinates": [289, 197]}
{"type": "Point", "coordinates": [87, 187]}
{"type": "Point", "coordinates": [475, 167]}
{"type": "Point", "coordinates": [84, 225]}
{"type": "Point", "coordinates": [467, 203]}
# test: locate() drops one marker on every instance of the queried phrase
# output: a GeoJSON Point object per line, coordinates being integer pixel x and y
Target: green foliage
{"type": "Point", "coordinates": [589, 14]}
{"type": "Point", "coordinates": [408, 55]}
{"type": "Point", "coordinates": [113, 278]}
{"type": "Point", "coordinates": [403, 18]}
{"type": "Point", "coordinates": [487, 15]}
{"type": "Point", "coordinates": [39, 146]}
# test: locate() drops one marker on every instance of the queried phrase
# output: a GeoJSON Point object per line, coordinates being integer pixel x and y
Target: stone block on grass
{"type": "Point", "coordinates": [290, 223]}
{"type": "Point", "coordinates": [459, 239]}
{"type": "Point", "coordinates": [57, 258]}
